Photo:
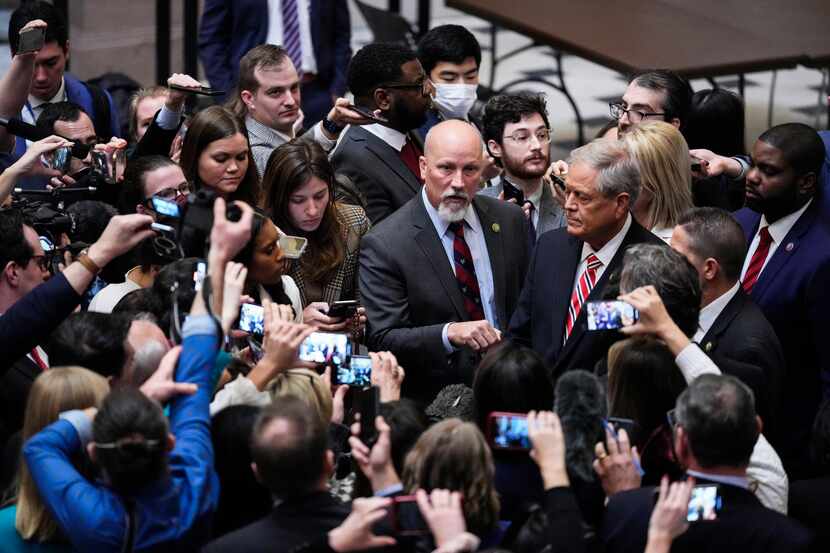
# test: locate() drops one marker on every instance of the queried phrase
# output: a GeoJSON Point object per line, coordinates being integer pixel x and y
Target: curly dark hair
{"type": "Point", "coordinates": [510, 108]}
{"type": "Point", "coordinates": [375, 64]}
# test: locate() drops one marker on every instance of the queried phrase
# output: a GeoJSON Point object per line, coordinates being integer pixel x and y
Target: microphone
{"type": "Point", "coordinates": [581, 406]}
{"type": "Point", "coordinates": [33, 134]}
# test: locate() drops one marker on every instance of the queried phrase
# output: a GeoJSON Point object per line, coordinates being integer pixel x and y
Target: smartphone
{"type": "Point", "coordinates": [203, 90]}
{"type": "Point", "coordinates": [407, 519]}
{"type": "Point", "coordinates": [367, 113]}
{"type": "Point", "coordinates": [697, 165]}
{"type": "Point", "coordinates": [164, 229]}
{"type": "Point", "coordinates": [368, 405]}
{"type": "Point", "coordinates": [31, 40]}
{"type": "Point", "coordinates": [326, 348]}
{"type": "Point", "coordinates": [705, 503]}
{"type": "Point", "coordinates": [508, 431]}
{"type": "Point", "coordinates": [252, 319]}
{"type": "Point", "coordinates": [164, 207]}
{"type": "Point", "coordinates": [343, 309]}
{"type": "Point", "coordinates": [617, 424]}
{"type": "Point", "coordinates": [511, 192]}
{"type": "Point", "coordinates": [558, 181]}
{"type": "Point", "coordinates": [609, 315]}
{"type": "Point", "coordinates": [58, 159]}
{"type": "Point", "coordinates": [292, 246]}
{"type": "Point", "coordinates": [358, 374]}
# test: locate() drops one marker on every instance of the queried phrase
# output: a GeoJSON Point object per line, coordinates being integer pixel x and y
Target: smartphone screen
{"type": "Point", "coordinates": [292, 246]}
{"type": "Point", "coordinates": [165, 207]}
{"type": "Point", "coordinates": [508, 431]}
{"type": "Point", "coordinates": [358, 374]}
{"type": "Point", "coordinates": [408, 518]}
{"type": "Point", "coordinates": [368, 405]}
{"type": "Point", "coordinates": [326, 348]}
{"type": "Point", "coordinates": [252, 319]}
{"type": "Point", "coordinates": [609, 315]}
{"type": "Point", "coordinates": [704, 503]}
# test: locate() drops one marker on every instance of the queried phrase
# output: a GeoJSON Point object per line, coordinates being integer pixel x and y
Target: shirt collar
{"type": "Point", "coordinates": [609, 250]}
{"type": "Point", "coordinates": [393, 137]}
{"type": "Point", "coordinates": [780, 228]}
{"type": "Point", "coordinates": [264, 132]}
{"type": "Point", "coordinates": [711, 312]}
{"type": "Point", "coordinates": [441, 225]}
{"type": "Point", "coordinates": [59, 96]}
{"type": "Point", "coordinates": [739, 481]}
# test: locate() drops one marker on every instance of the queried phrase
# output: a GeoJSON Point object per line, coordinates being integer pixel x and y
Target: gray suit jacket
{"type": "Point", "coordinates": [264, 141]}
{"type": "Point", "coordinates": [410, 292]}
{"type": "Point", "coordinates": [377, 171]}
{"type": "Point", "coordinates": [551, 215]}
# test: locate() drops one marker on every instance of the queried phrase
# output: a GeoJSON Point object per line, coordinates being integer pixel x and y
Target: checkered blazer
{"type": "Point", "coordinates": [343, 285]}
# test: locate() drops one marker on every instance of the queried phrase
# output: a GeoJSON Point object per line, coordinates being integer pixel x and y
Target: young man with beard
{"type": "Point", "coordinates": [787, 269]}
{"type": "Point", "coordinates": [517, 134]}
{"type": "Point", "coordinates": [441, 276]}
{"type": "Point", "coordinates": [382, 159]}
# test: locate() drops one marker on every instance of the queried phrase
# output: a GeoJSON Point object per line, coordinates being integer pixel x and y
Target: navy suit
{"type": "Point", "coordinates": [793, 291]}
{"type": "Point", "coordinates": [229, 29]}
{"type": "Point", "coordinates": [539, 320]}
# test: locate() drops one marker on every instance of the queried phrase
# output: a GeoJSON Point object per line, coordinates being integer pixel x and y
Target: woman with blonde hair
{"type": "Point", "coordinates": [665, 175]}
{"type": "Point", "coordinates": [454, 455]}
{"type": "Point", "coordinates": [27, 525]}
{"type": "Point", "coordinates": [309, 387]}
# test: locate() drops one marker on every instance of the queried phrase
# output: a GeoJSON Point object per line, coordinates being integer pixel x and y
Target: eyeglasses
{"type": "Point", "coordinates": [172, 193]}
{"type": "Point", "coordinates": [523, 137]}
{"type": "Point", "coordinates": [671, 418]}
{"type": "Point", "coordinates": [635, 116]}
{"type": "Point", "coordinates": [425, 86]}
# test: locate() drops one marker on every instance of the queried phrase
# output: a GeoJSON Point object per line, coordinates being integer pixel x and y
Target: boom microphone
{"type": "Point", "coordinates": [33, 133]}
{"type": "Point", "coordinates": [581, 405]}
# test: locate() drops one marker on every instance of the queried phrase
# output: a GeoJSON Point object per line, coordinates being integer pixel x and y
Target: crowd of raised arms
{"type": "Point", "coordinates": [336, 302]}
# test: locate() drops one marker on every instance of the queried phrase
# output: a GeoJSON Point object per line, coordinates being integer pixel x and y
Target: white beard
{"type": "Point", "coordinates": [449, 215]}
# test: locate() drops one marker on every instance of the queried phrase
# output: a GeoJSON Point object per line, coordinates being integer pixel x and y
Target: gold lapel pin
{"type": "Point", "coordinates": [708, 347]}
{"type": "Point", "coordinates": [496, 227]}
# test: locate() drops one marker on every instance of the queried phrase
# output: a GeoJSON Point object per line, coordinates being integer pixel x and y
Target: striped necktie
{"type": "Point", "coordinates": [465, 273]}
{"type": "Point", "coordinates": [291, 33]}
{"type": "Point", "coordinates": [583, 288]}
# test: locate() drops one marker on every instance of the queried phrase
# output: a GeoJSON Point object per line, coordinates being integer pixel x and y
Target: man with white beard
{"type": "Point", "coordinates": [440, 277]}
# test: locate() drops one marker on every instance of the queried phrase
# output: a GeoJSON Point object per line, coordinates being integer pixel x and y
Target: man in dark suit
{"type": "Point", "coordinates": [442, 275]}
{"type": "Point", "coordinates": [517, 135]}
{"type": "Point", "coordinates": [573, 265]}
{"type": "Point", "coordinates": [787, 269]}
{"type": "Point", "coordinates": [732, 330]}
{"type": "Point", "coordinates": [320, 29]}
{"type": "Point", "coordinates": [716, 429]}
{"type": "Point", "coordinates": [292, 459]}
{"type": "Point", "coordinates": [382, 159]}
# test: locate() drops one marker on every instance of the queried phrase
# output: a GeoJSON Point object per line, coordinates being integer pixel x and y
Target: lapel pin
{"type": "Point", "coordinates": [789, 247]}
{"type": "Point", "coordinates": [708, 347]}
{"type": "Point", "coordinates": [496, 227]}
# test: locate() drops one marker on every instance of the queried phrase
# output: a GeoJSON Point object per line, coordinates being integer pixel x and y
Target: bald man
{"type": "Point", "coordinates": [441, 276]}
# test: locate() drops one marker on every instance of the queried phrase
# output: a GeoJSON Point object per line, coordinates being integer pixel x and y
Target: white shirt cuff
{"type": "Point", "coordinates": [320, 137]}
{"type": "Point", "coordinates": [448, 347]}
{"type": "Point", "coordinates": [168, 119]}
{"type": "Point", "coordinates": [692, 362]}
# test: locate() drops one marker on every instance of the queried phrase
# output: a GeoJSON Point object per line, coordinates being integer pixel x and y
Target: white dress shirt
{"type": "Point", "coordinates": [275, 31]}
{"type": "Point", "coordinates": [474, 236]}
{"type": "Point", "coordinates": [605, 254]}
{"type": "Point", "coordinates": [34, 106]}
{"type": "Point", "coordinates": [710, 313]}
{"type": "Point", "coordinates": [394, 138]}
{"type": "Point", "coordinates": [777, 231]}
{"type": "Point", "coordinates": [663, 233]}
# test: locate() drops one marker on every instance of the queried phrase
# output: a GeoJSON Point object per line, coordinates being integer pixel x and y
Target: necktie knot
{"type": "Point", "coordinates": [457, 228]}
{"type": "Point", "coordinates": [765, 236]}
{"type": "Point", "coordinates": [593, 262]}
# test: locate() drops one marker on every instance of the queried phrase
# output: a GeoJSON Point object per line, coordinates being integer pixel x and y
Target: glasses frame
{"type": "Point", "coordinates": [426, 86]}
{"type": "Point", "coordinates": [524, 141]}
{"type": "Point", "coordinates": [614, 106]}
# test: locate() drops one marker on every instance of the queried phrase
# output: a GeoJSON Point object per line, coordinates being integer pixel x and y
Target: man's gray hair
{"type": "Point", "coordinates": [618, 171]}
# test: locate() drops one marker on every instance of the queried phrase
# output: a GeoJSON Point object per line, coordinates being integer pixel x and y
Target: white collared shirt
{"type": "Point", "coordinates": [34, 106]}
{"type": "Point", "coordinates": [778, 232]}
{"type": "Point", "coordinates": [394, 138]}
{"type": "Point", "coordinates": [710, 313]}
{"type": "Point", "coordinates": [663, 233]}
{"type": "Point", "coordinates": [605, 253]}
{"type": "Point", "coordinates": [275, 31]}
{"type": "Point", "coordinates": [474, 236]}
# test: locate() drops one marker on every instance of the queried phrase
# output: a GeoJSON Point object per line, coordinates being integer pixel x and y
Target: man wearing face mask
{"type": "Point", "coordinates": [451, 56]}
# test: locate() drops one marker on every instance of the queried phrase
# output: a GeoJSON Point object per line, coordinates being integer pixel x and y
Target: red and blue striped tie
{"type": "Point", "coordinates": [583, 288]}
{"type": "Point", "coordinates": [465, 273]}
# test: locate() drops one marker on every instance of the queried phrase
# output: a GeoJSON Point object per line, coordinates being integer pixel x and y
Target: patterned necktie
{"type": "Point", "coordinates": [757, 261]}
{"type": "Point", "coordinates": [465, 273]}
{"type": "Point", "coordinates": [583, 288]}
{"type": "Point", "coordinates": [531, 230]}
{"type": "Point", "coordinates": [291, 33]}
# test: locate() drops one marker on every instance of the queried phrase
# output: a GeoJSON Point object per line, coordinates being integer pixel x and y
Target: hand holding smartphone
{"type": "Point", "coordinates": [202, 90]}
{"type": "Point", "coordinates": [508, 431]}
{"type": "Point", "coordinates": [343, 309]}
{"type": "Point", "coordinates": [368, 405]}
{"type": "Point", "coordinates": [31, 40]}
{"type": "Point", "coordinates": [610, 315]}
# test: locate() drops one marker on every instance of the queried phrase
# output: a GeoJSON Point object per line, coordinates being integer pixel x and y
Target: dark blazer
{"type": "Point", "coordinates": [743, 525]}
{"type": "Point", "coordinates": [410, 292]}
{"type": "Point", "coordinates": [377, 171]}
{"type": "Point", "coordinates": [551, 214]}
{"type": "Point", "coordinates": [809, 505]}
{"type": "Point", "coordinates": [539, 320]}
{"type": "Point", "coordinates": [794, 295]}
{"type": "Point", "coordinates": [742, 343]}
{"type": "Point", "coordinates": [291, 523]}
{"type": "Point", "coordinates": [229, 29]}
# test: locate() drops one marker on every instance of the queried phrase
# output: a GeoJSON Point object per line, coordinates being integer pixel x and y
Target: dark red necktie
{"type": "Point", "coordinates": [757, 261]}
{"type": "Point", "coordinates": [465, 273]}
{"type": "Point", "coordinates": [39, 360]}
{"type": "Point", "coordinates": [410, 156]}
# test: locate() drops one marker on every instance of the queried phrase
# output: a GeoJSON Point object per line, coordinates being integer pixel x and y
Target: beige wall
{"type": "Point", "coordinates": [120, 35]}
